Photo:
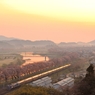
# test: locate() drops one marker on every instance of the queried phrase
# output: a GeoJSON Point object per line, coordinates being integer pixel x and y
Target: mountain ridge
{"type": "Point", "coordinates": [7, 42]}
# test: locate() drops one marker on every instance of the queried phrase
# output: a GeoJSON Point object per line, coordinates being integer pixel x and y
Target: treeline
{"type": "Point", "coordinates": [14, 71]}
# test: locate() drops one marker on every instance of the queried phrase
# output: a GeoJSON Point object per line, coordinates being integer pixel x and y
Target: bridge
{"type": "Point", "coordinates": [27, 54]}
{"type": "Point", "coordinates": [35, 56]}
{"type": "Point", "coordinates": [31, 56]}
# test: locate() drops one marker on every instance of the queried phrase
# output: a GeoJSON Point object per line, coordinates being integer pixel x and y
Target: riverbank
{"type": "Point", "coordinates": [29, 58]}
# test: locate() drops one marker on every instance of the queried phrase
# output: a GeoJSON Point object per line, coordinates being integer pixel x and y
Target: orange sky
{"type": "Point", "coordinates": [65, 24]}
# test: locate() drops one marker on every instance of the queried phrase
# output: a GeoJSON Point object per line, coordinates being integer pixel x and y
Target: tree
{"type": "Point", "coordinates": [90, 69]}
{"type": "Point", "coordinates": [29, 90]}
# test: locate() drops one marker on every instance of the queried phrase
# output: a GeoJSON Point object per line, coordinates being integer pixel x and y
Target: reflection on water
{"type": "Point", "coordinates": [30, 58]}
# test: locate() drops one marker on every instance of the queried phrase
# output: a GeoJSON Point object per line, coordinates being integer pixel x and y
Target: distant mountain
{"type": "Point", "coordinates": [69, 43]}
{"type": "Point", "coordinates": [43, 42]}
{"type": "Point", "coordinates": [2, 38]}
{"type": "Point", "coordinates": [62, 43]}
{"type": "Point", "coordinates": [30, 43]}
{"type": "Point", "coordinates": [5, 45]}
{"type": "Point", "coordinates": [10, 42]}
{"type": "Point", "coordinates": [78, 44]}
{"type": "Point", "coordinates": [24, 44]}
{"type": "Point", "coordinates": [92, 42]}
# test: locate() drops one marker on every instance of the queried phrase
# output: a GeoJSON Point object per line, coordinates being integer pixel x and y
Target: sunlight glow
{"type": "Point", "coordinates": [72, 10]}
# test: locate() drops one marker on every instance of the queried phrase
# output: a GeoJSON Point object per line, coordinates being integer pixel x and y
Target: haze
{"type": "Point", "coordinates": [56, 20]}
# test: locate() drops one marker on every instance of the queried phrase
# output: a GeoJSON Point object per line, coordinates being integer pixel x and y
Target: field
{"type": "Point", "coordinates": [10, 59]}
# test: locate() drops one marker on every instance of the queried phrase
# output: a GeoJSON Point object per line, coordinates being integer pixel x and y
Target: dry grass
{"type": "Point", "coordinates": [6, 61]}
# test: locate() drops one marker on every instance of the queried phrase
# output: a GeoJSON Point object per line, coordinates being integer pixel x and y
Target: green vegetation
{"type": "Point", "coordinates": [29, 90]}
{"type": "Point", "coordinates": [10, 59]}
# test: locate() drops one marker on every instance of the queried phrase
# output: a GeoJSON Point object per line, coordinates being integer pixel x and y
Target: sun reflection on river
{"type": "Point", "coordinates": [30, 58]}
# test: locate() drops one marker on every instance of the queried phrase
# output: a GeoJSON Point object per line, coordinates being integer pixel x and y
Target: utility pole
{"type": "Point", "coordinates": [45, 58]}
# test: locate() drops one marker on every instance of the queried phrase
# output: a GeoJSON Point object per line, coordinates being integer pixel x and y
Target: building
{"type": "Point", "coordinates": [68, 82]}
{"type": "Point", "coordinates": [44, 82]}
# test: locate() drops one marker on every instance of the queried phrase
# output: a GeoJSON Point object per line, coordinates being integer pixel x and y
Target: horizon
{"type": "Point", "coordinates": [44, 40]}
{"type": "Point", "coordinates": [62, 20]}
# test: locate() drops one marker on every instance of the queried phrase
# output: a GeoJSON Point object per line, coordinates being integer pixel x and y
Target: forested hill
{"type": "Point", "coordinates": [14, 43]}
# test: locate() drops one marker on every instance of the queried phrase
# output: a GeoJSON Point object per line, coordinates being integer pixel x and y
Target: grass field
{"type": "Point", "coordinates": [10, 59]}
{"type": "Point", "coordinates": [6, 62]}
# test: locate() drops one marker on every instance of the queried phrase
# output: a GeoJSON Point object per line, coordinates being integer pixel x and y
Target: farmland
{"type": "Point", "coordinates": [8, 59]}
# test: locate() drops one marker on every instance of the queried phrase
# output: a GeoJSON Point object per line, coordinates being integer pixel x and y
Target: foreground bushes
{"type": "Point", "coordinates": [29, 90]}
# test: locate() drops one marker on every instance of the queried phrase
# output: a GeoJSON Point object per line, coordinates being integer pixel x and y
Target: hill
{"type": "Point", "coordinates": [2, 38]}
{"type": "Point", "coordinates": [25, 43]}
{"type": "Point", "coordinates": [4, 45]}
{"type": "Point", "coordinates": [92, 42]}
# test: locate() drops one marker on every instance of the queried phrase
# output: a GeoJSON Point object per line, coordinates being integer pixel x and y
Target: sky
{"type": "Point", "coordinates": [56, 20]}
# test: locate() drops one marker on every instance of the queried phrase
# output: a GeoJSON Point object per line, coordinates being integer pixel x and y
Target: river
{"type": "Point", "coordinates": [30, 58]}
